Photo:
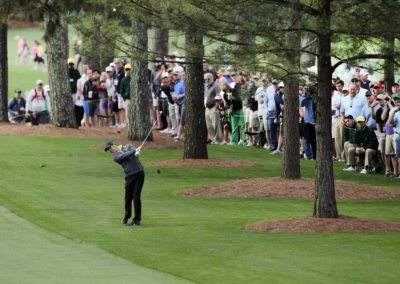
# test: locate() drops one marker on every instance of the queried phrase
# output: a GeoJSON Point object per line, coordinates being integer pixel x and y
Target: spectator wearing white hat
{"type": "Point", "coordinates": [364, 82]}
{"type": "Point", "coordinates": [38, 105]}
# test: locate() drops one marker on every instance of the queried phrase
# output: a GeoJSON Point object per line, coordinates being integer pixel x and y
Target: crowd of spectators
{"type": "Point", "coordinates": [240, 109]}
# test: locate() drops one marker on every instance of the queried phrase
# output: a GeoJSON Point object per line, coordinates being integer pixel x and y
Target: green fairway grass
{"type": "Point", "coordinates": [76, 201]}
{"type": "Point", "coordinates": [30, 254]}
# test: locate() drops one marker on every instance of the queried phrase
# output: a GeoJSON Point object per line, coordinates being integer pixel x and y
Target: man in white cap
{"type": "Point", "coordinates": [38, 105]}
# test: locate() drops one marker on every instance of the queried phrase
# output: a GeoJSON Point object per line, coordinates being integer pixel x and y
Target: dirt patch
{"type": "Point", "coordinates": [119, 136]}
{"type": "Point", "coordinates": [295, 189]}
{"type": "Point", "coordinates": [343, 224]}
{"type": "Point", "coordinates": [204, 163]}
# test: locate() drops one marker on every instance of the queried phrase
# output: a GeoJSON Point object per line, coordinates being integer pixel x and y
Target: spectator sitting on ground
{"type": "Point", "coordinates": [365, 145]}
{"type": "Point", "coordinates": [38, 105]}
{"type": "Point", "coordinates": [16, 108]}
{"type": "Point", "coordinates": [350, 127]}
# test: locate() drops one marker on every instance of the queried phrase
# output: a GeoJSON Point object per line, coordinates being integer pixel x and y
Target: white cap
{"type": "Point", "coordinates": [364, 72]}
{"type": "Point", "coordinates": [112, 64]}
{"type": "Point", "coordinates": [281, 85]}
{"type": "Point", "coordinates": [232, 85]}
{"type": "Point", "coordinates": [164, 75]}
{"type": "Point", "coordinates": [47, 88]}
{"type": "Point", "coordinates": [109, 69]}
{"type": "Point", "coordinates": [178, 69]}
{"type": "Point", "coordinates": [39, 82]}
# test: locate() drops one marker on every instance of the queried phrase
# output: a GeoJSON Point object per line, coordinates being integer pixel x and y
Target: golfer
{"type": "Point", "coordinates": [127, 156]}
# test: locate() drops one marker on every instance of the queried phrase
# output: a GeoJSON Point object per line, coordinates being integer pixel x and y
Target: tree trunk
{"type": "Point", "coordinates": [3, 72]}
{"type": "Point", "coordinates": [389, 64]}
{"type": "Point", "coordinates": [160, 44]}
{"type": "Point", "coordinates": [325, 201]}
{"type": "Point", "coordinates": [62, 106]}
{"type": "Point", "coordinates": [291, 159]}
{"type": "Point", "coordinates": [195, 124]}
{"type": "Point", "coordinates": [138, 115]}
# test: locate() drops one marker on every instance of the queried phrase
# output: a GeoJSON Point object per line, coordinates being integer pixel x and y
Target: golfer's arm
{"type": "Point", "coordinates": [122, 156]}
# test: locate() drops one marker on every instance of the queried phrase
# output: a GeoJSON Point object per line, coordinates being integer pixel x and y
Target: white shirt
{"type": "Point", "coordinates": [78, 99]}
{"type": "Point", "coordinates": [38, 101]}
{"type": "Point", "coordinates": [269, 99]}
{"type": "Point", "coordinates": [353, 106]}
{"type": "Point", "coordinates": [261, 93]}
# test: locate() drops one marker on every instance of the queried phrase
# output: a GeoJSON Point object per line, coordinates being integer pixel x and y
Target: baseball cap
{"type": "Point", "coordinates": [112, 64]}
{"type": "Point", "coordinates": [108, 145]}
{"type": "Point", "coordinates": [276, 81]}
{"type": "Point", "coordinates": [164, 75]}
{"type": "Point", "coordinates": [355, 79]}
{"type": "Point", "coordinates": [178, 69]}
{"type": "Point", "coordinates": [47, 88]}
{"type": "Point", "coordinates": [381, 97]}
{"type": "Point", "coordinates": [109, 69]}
{"type": "Point", "coordinates": [396, 96]}
{"type": "Point", "coordinates": [128, 66]}
{"type": "Point", "coordinates": [39, 82]}
{"type": "Point", "coordinates": [281, 85]}
{"type": "Point", "coordinates": [378, 85]}
{"type": "Point", "coordinates": [71, 60]}
{"type": "Point", "coordinates": [349, 116]}
{"type": "Point", "coordinates": [360, 119]}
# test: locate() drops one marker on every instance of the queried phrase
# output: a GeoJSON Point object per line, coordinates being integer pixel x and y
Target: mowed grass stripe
{"type": "Point", "coordinates": [30, 254]}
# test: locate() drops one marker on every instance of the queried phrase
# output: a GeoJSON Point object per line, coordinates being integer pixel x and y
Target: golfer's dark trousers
{"type": "Point", "coordinates": [133, 189]}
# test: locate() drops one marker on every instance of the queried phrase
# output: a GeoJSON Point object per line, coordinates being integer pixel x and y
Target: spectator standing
{"type": "Point", "coordinates": [81, 106]}
{"type": "Point", "coordinates": [364, 82]}
{"type": "Point", "coordinates": [270, 106]}
{"type": "Point", "coordinates": [74, 76]}
{"type": "Point", "coordinates": [261, 93]}
{"type": "Point", "coordinates": [179, 96]}
{"type": "Point", "coordinates": [212, 114]}
{"type": "Point", "coordinates": [91, 95]}
{"type": "Point", "coordinates": [279, 104]}
{"type": "Point", "coordinates": [16, 108]}
{"type": "Point", "coordinates": [309, 134]}
{"type": "Point", "coordinates": [337, 121]}
{"type": "Point", "coordinates": [353, 103]}
{"type": "Point", "coordinates": [390, 158]}
{"type": "Point", "coordinates": [394, 119]}
{"type": "Point", "coordinates": [125, 91]}
{"type": "Point", "coordinates": [234, 104]}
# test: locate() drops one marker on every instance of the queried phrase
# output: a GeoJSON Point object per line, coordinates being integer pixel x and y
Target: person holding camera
{"type": "Point", "coordinates": [127, 156]}
{"type": "Point", "coordinates": [394, 120]}
{"type": "Point", "coordinates": [16, 108]}
{"type": "Point", "coordinates": [390, 159]}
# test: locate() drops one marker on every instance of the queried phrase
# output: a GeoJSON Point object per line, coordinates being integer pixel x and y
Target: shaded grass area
{"type": "Point", "coordinates": [30, 254]}
{"type": "Point", "coordinates": [79, 195]}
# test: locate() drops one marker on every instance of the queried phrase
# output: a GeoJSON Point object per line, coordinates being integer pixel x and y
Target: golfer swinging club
{"type": "Point", "coordinates": [127, 156]}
